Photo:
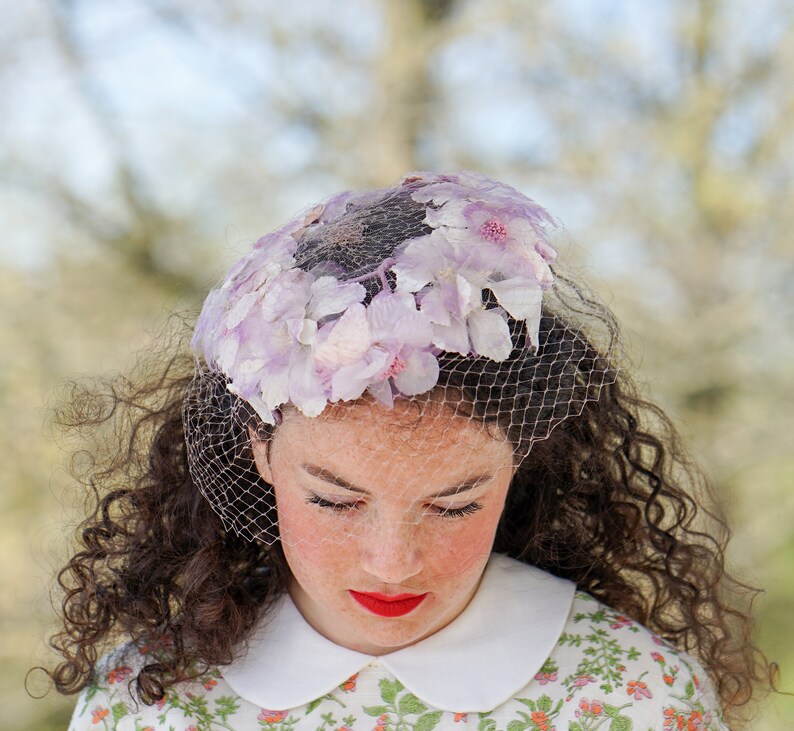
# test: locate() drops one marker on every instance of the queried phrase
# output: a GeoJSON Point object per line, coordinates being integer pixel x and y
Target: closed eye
{"type": "Point", "coordinates": [330, 504]}
{"type": "Point", "coordinates": [459, 512]}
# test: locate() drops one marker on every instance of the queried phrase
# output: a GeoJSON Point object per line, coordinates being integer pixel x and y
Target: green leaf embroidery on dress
{"type": "Point", "coordinates": [410, 704]}
{"type": "Point", "coordinates": [486, 724]}
{"type": "Point", "coordinates": [603, 657]}
{"type": "Point", "coordinates": [427, 721]}
{"type": "Point", "coordinates": [389, 689]}
{"type": "Point", "coordinates": [329, 722]}
{"type": "Point", "coordinates": [119, 710]}
{"type": "Point", "coordinates": [195, 706]}
{"type": "Point", "coordinates": [393, 714]}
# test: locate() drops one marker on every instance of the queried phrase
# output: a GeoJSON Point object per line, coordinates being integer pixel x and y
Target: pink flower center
{"type": "Point", "coordinates": [494, 230]}
{"type": "Point", "coordinates": [398, 365]}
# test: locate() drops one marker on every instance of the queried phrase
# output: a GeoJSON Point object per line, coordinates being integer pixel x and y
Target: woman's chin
{"type": "Point", "coordinates": [385, 635]}
{"type": "Point", "coordinates": [374, 635]}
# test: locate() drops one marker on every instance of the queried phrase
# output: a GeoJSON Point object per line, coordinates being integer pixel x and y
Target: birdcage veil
{"type": "Point", "coordinates": [443, 293]}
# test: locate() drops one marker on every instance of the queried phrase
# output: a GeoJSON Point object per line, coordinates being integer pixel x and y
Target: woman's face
{"type": "Point", "coordinates": [387, 502]}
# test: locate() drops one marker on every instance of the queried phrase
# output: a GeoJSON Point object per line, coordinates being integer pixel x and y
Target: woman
{"type": "Point", "coordinates": [406, 487]}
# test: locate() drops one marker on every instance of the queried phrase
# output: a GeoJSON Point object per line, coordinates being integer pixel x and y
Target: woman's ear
{"type": "Point", "coordinates": [261, 450]}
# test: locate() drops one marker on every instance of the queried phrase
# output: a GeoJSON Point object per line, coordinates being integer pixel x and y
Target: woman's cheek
{"type": "Point", "coordinates": [463, 548]}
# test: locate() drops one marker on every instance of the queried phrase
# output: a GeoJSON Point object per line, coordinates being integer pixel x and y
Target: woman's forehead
{"type": "Point", "coordinates": [413, 429]}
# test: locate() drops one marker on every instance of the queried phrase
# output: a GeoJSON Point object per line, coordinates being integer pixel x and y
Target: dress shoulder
{"type": "Point", "coordinates": [109, 701]}
{"type": "Point", "coordinates": [612, 666]}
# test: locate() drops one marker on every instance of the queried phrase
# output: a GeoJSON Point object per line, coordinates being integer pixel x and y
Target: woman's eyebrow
{"type": "Point", "coordinates": [327, 476]}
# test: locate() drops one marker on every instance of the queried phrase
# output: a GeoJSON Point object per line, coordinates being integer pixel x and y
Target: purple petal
{"type": "Point", "coordinates": [418, 264]}
{"type": "Point", "coordinates": [453, 338]}
{"type": "Point", "coordinates": [261, 408]}
{"type": "Point", "coordinates": [305, 389]}
{"type": "Point", "coordinates": [286, 296]}
{"type": "Point", "coordinates": [349, 381]}
{"type": "Point", "coordinates": [419, 375]}
{"type": "Point", "coordinates": [329, 296]}
{"type": "Point", "coordinates": [433, 306]}
{"type": "Point", "coordinates": [382, 391]}
{"type": "Point", "coordinates": [490, 334]}
{"type": "Point", "coordinates": [393, 317]}
{"type": "Point", "coordinates": [226, 352]}
{"type": "Point", "coordinates": [241, 309]}
{"type": "Point", "coordinates": [343, 341]}
{"type": "Point", "coordinates": [274, 386]}
{"type": "Point", "coordinates": [519, 296]}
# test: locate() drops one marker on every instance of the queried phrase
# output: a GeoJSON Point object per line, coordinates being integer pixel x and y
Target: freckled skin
{"type": "Point", "coordinates": [394, 540]}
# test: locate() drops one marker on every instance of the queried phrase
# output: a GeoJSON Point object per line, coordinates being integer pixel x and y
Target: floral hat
{"type": "Point", "coordinates": [281, 333]}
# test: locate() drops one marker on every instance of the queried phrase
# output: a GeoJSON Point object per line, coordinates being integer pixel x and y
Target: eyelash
{"type": "Point", "coordinates": [342, 507]}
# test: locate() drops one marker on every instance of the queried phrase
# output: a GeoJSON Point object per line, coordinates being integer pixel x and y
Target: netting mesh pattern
{"type": "Point", "coordinates": [442, 290]}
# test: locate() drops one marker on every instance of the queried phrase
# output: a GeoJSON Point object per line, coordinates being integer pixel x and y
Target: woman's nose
{"type": "Point", "coordinates": [391, 553]}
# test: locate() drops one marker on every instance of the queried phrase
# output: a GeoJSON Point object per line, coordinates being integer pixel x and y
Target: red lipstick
{"type": "Point", "coordinates": [388, 605]}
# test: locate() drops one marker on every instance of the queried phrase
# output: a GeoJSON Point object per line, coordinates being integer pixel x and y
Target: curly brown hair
{"type": "Point", "coordinates": [609, 500]}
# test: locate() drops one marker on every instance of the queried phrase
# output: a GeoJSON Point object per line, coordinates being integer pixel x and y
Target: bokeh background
{"type": "Point", "coordinates": [144, 144]}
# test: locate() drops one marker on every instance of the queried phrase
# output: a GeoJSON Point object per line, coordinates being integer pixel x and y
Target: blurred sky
{"type": "Point", "coordinates": [171, 85]}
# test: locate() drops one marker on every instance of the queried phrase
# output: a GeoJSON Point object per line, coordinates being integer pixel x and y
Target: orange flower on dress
{"type": "Point", "coordinates": [594, 708]}
{"type": "Point", "coordinates": [269, 716]}
{"type": "Point", "coordinates": [209, 683]}
{"type": "Point", "coordinates": [458, 717]}
{"type": "Point", "coordinates": [679, 721]}
{"type": "Point", "coordinates": [620, 621]}
{"type": "Point", "coordinates": [118, 674]}
{"type": "Point", "coordinates": [382, 721]}
{"type": "Point", "coordinates": [350, 684]}
{"type": "Point", "coordinates": [668, 679]}
{"type": "Point", "coordinates": [541, 720]}
{"type": "Point", "coordinates": [695, 721]}
{"type": "Point", "coordinates": [98, 714]}
{"type": "Point", "coordinates": [638, 690]}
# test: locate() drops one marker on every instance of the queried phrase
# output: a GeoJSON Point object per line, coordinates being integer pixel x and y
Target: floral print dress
{"type": "Point", "coordinates": [573, 665]}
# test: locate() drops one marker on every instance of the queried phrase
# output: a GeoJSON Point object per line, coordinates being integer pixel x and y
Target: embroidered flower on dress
{"type": "Point", "coordinates": [638, 689]}
{"type": "Point", "coordinates": [269, 716]}
{"type": "Point", "coordinates": [117, 675]}
{"type": "Point", "coordinates": [547, 673]}
{"type": "Point", "coordinates": [589, 708]}
{"type": "Point", "coordinates": [620, 621]}
{"type": "Point", "coordinates": [98, 714]}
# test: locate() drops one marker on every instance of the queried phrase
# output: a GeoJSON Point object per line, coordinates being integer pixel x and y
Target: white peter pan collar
{"type": "Point", "coordinates": [477, 662]}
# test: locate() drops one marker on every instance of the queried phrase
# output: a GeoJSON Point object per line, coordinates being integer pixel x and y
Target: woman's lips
{"type": "Point", "coordinates": [388, 605]}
